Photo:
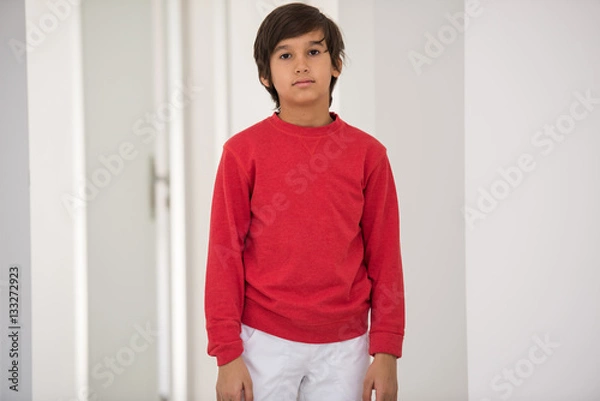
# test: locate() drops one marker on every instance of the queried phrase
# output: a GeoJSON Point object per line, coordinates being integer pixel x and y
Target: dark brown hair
{"type": "Point", "coordinates": [289, 21]}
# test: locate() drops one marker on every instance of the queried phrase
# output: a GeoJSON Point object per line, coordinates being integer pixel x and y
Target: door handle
{"type": "Point", "coordinates": [154, 180]}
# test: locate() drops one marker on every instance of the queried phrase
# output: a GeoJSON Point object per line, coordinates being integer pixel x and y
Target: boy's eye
{"type": "Point", "coordinates": [285, 56]}
{"type": "Point", "coordinates": [313, 52]}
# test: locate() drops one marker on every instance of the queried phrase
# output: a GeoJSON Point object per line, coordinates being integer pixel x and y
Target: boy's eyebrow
{"type": "Point", "coordinates": [317, 42]}
{"type": "Point", "coordinates": [311, 43]}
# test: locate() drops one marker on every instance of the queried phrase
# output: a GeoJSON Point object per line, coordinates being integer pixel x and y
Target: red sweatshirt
{"type": "Point", "coordinates": [304, 239]}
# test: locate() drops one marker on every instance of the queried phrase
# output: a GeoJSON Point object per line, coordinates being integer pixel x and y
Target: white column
{"type": "Point", "coordinates": [59, 282]}
{"type": "Point", "coordinates": [206, 129]}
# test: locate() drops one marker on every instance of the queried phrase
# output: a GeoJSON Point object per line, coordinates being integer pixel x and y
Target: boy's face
{"type": "Point", "coordinates": [301, 70]}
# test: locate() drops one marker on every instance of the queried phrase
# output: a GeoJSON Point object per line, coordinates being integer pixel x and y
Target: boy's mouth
{"type": "Point", "coordinates": [303, 82]}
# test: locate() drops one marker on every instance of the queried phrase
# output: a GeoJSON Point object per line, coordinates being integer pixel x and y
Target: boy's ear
{"type": "Point", "coordinates": [265, 81]}
{"type": "Point", "coordinates": [337, 70]}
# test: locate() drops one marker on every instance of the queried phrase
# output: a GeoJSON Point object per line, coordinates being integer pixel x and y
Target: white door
{"type": "Point", "coordinates": [122, 124]}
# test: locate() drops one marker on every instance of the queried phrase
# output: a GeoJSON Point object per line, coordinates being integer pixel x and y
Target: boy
{"type": "Point", "coordinates": [304, 237]}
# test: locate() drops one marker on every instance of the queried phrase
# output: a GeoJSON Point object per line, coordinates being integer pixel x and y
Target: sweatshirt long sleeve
{"type": "Point", "coordinates": [304, 239]}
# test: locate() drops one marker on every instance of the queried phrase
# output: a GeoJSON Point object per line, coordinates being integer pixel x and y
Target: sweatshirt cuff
{"type": "Point", "coordinates": [228, 352]}
{"type": "Point", "coordinates": [387, 343]}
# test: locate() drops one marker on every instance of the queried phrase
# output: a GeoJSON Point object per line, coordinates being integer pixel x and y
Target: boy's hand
{"type": "Point", "coordinates": [381, 377]}
{"type": "Point", "coordinates": [233, 380]}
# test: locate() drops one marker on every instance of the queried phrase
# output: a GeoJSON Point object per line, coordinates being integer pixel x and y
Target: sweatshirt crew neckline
{"type": "Point", "coordinates": [298, 130]}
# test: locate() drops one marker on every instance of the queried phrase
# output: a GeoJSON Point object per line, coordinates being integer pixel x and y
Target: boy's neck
{"type": "Point", "coordinates": [306, 117]}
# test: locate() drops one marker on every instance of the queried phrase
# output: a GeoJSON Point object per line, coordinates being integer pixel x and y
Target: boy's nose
{"type": "Point", "coordinates": [302, 66]}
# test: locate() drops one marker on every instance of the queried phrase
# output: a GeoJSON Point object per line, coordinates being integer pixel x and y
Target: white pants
{"type": "Point", "coordinates": [283, 370]}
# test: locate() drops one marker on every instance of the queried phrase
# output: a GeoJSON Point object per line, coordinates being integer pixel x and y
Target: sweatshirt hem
{"type": "Point", "coordinates": [262, 319]}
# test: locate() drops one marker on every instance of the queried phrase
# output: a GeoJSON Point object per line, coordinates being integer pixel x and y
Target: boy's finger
{"type": "Point", "coordinates": [367, 388]}
{"type": "Point", "coordinates": [248, 393]}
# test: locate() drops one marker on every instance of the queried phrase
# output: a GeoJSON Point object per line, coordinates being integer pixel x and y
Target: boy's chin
{"type": "Point", "coordinates": [305, 102]}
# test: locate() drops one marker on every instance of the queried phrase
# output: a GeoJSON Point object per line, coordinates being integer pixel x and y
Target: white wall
{"type": "Point", "coordinates": [532, 259]}
{"type": "Point", "coordinates": [54, 102]}
{"type": "Point", "coordinates": [356, 89]}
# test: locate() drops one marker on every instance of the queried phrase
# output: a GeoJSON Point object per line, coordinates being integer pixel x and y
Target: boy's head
{"type": "Point", "coordinates": [292, 21]}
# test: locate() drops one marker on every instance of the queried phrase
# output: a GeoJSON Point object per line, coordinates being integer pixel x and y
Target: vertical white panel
{"type": "Point", "coordinates": [221, 70]}
{"type": "Point", "coordinates": [532, 193]}
{"type": "Point", "coordinates": [419, 117]}
{"type": "Point", "coordinates": [178, 209]}
{"type": "Point", "coordinates": [79, 215]}
{"type": "Point", "coordinates": [204, 121]}
{"type": "Point", "coordinates": [161, 205]}
{"type": "Point", "coordinates": [15, 245]}
{"type": "Point", "coordinates": [58, 208]}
